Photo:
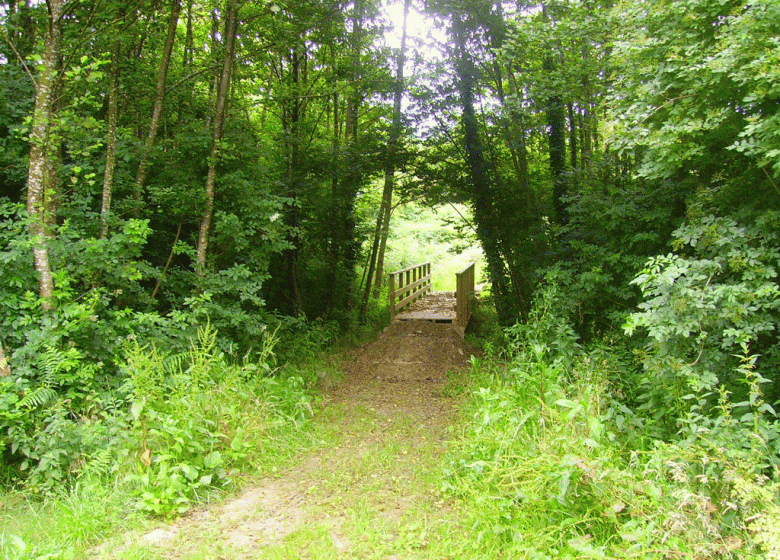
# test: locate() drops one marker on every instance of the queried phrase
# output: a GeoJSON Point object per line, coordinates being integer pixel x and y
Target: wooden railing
{"type": "Point", "coordinates": [464, 296]}
{"type": "Point", "coordinates": [408, 285]}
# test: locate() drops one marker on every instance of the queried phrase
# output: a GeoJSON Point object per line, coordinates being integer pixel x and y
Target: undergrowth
{"type": "Point", "coordinates": [555, 463]}
{"type": "Point", "coordinates": [182, 428]}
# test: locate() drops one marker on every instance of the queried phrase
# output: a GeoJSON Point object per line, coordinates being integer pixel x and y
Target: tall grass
{"type": "Point", "coordinates": [553, 464]}
{"type": "Point", "coordinates": [197, 425]}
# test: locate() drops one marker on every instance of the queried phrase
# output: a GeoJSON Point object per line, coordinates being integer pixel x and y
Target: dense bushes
{"type": "Point", "coordinates": [710, 316]}
{"type": "Point", "coordinates": [563, 458]}
{"type": "Point", "coordinates": [175, 427]}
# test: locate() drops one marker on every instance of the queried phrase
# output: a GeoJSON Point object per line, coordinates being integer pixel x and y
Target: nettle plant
{"type": "Point", "coordinates": [710, 314]}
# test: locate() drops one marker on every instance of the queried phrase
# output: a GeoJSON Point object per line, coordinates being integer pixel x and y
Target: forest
{"type": "Point", "coordinates": [196, 201]}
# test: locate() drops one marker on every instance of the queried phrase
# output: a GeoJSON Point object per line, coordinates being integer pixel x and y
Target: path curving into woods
{"type": "Point", "coordinates": [367, 494]}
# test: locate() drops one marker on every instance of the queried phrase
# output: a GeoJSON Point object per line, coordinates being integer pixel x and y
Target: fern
{"type": "Point", "coordinates": [33, 399]}
{"type": "Point", "coordinates": [99, 465]}
{"type": "Point", "coordinates": [60, 367]}
{"type": "Point", "coordinates": [37, 398]}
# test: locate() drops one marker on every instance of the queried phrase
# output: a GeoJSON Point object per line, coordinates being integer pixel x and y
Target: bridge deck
{"type": "Point", "coordinates": [437, 307]}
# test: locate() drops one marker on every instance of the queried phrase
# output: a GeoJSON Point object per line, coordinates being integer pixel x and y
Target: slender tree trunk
{"type": "Point", "coordinates": [189, 48]}
{"type": "Point", "coordinates": [377, 249]}
{"type": "Point", "coordinates": [168, 262]}
{"type": "Point", "coordinates": [223, 90]}
{"type": "Point", "coordinates": [556, 122]}
{"type": "Point", "coordinates": [293, 114]}
{"type": "Point", "coordinates": [42, 149]}
{"type": "Point", "coordinates": [159, 99]}
{"type": "Point", "coordinates": [380, 259]}
{"type": "Point", "coordinates": [519, 150]}
{"type": "Point", "coordinates": [573, 148]}
{"type": "Point", "coordinates": [113, 112]}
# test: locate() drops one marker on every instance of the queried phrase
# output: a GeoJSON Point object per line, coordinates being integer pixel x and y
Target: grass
{"type": "Point", "coordinates": [543, 464]}
{"type": "Point", "coordinates": [421, 234]}
{"type": "Point", "coordinates": [535, 471]}
{"type": "Point", "coordinates": [63, 525]}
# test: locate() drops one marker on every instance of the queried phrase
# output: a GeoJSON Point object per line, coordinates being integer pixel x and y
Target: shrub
{"type": "Point", "coordinates": [710, 316]}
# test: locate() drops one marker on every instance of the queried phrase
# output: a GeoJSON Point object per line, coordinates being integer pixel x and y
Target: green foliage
{"type": "Point", "coordinates": [16, 101]}
{"type": "Point", "coordinates": [696, 88]}
{"type": "Point", "coordinates": [615, 224]}
{"type": "Point", "coordinates": [548, 331]}
{"type": "Point", "coordinates": [197, 420]}
{"type": "Point", "coordinates": [440, 235]}
{"type": "Point", "coordinates": [554, 465]}
{"type": "Point", "coordinates": [708, 315]}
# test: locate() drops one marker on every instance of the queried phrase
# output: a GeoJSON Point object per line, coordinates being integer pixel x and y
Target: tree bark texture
{"type": "Point", "coordinates": [294, 112]}
{"type": "Point", "coordinates": [159, 98]}
{"type": "Point", "coordinates": [42, 149]}
{"type": "Point", "coordinates": [113, 113]}
{"type": "Point", "coordinates": [223, 91]}
{"type": "Point", "coordinates": [385, 208]}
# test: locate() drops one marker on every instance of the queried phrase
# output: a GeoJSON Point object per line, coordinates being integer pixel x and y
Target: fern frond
{"type": "Point", "coordinates": [36, 398]}
{"type": "Point", "coordinates": [99, 465]}
{"type": "Point", "coordinates": [55, 364]}
{"type": "Point", "coordinates": [207, 339]}
{"type": "Point", "coordinates": [172, 364]}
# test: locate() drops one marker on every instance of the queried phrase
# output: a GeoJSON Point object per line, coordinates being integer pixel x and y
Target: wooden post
{"type": "Point", "coordinates": [464, 297]}
{"type": "Point", "coordinates": [392, 297]}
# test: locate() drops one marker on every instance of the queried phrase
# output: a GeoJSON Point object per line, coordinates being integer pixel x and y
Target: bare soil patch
{"type": "Point", "coordinates": [366, 494]}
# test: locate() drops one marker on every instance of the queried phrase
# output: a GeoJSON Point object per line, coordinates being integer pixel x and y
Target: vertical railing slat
{"type": "Point", "coordinates": [402, 286]}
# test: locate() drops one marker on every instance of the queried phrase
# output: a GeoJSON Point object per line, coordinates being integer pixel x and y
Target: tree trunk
{"type": "Point", "coordinates": [159, 99]}
{"type": "Point", "coordinates": [42, 149]}
{"type": "Point", "coordinates": [113, 112]}
{"type": "Point", "coordinates": [573, 148]}
{"type": "Point", "coordinates": [189, 47]}
{"type": "Point", "coordinates": [556, 137]}
{"type": "Point", "coordinates": [223, 90]}
{"type": "Point", "coordinates": [556, 122]}
{"type": "Point", "coordinates": [378, 248]}
{"type": "Point", "coordinates": [294, 113]}
{"type": "Point", "coordinates": [480, 183]}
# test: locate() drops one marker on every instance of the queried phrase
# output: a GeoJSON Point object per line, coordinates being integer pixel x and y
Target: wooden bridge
{"type": "Point", "coordinates": [411, 298]}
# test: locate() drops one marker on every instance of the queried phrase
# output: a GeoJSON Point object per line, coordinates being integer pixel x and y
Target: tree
{"type": "Point", "coordinates": [159, 97]}
{"type": "Point", "coordinates": [220, 111]}
{"type": "Point", "coordinates": [695, 95]}
{"type": "Point", "coordinates": [43, 147]}
{"type": "Point", "coordinates": [495, 177]}
{"type": "Point", "coordinates": [111, 139]}
{"type": "Point", "coordinates": [376, 258]}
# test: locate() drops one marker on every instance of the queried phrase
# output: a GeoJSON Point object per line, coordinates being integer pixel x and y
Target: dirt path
{"type": "Point", "coordinates": [373, 493]}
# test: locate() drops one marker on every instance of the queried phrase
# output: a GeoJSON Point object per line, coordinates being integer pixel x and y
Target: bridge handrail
{"type": "Point", "coordinates": [412, 283]}
{"type": "Point", "coordinates": [464, 296]}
